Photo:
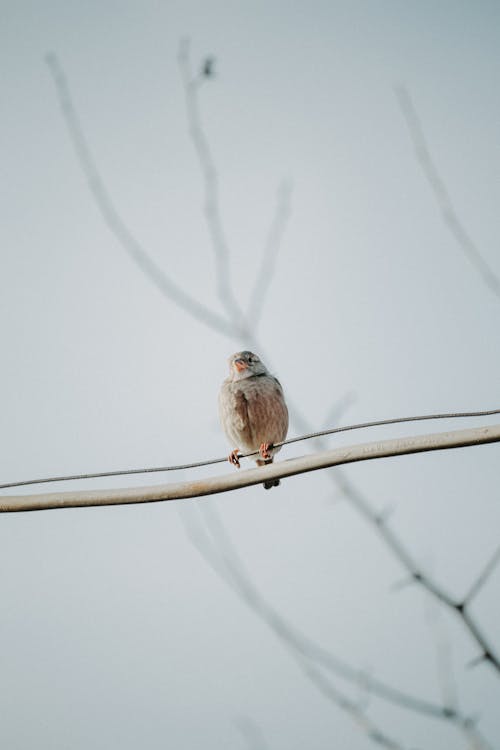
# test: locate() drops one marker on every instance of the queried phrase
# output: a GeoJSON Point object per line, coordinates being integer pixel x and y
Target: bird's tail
{"type": "Point", "coordinates": [270, 483]}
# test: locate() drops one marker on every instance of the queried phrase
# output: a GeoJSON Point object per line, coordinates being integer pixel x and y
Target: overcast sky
{"type": "Point", "coordinates": [115, 631]}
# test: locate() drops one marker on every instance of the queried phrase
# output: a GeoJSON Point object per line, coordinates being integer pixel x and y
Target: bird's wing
{"type": "Point", "coordinates": [234, 416]}
{"type": "Point", "coordinates": [267, 412]}
{"type": "Point", "coordinates": [240, 408]}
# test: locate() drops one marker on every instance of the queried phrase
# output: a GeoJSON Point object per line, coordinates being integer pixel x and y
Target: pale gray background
{"type": "Point", "coordinates": [114, 632]}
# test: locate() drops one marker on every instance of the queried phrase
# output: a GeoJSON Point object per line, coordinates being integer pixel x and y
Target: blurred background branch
{"type": "Point", "coordinates": [212, 542]}
{"type": "Point", "coordinates": [267, 268]}
{"type": "Point", "coordinates": [210, 178]}
{"type": "Point", "coordinates": [482, 577]}
{"type": "Point", "coordinates": [208, 534]}
{"type": "Point", "coordinates": [113, 219]}
{"type": "Point", "coordinates": [252, 733]}
{"type": "Point", "coordinates": [441, 194]}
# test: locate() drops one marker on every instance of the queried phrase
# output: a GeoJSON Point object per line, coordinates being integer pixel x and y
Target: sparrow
{"type": "Point", "coordinates": [252, 410]}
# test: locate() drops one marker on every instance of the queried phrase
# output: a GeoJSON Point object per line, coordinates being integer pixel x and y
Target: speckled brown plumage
{"type": "Point", "coordinates": [252, 409]}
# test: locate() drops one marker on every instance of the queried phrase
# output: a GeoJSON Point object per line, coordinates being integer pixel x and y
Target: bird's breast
{"type": "Point", "coordinates": [253, 411]}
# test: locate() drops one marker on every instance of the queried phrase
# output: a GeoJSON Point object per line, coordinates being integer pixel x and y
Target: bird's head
{"type": "Point", "coordinates": [245, 365]}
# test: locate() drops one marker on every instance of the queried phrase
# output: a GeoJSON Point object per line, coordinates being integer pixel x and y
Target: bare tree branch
{"type": "Point", "coordinates": [482, 578]}
{"type": "Point", "coordinates": [367, 725]}
{"type": "Point", "coordinates": [268, 264]}
{"type": "Point", "coordinates": [252, 733]}
{"type": "Point", "coordinates": [113, 220]}
{"type": "Point", "coordinates": [446, 678]}
{"type": "Point", "coordinates": [378, 522]}
{"type": "Point", "coordinates": [303, 464]}
{"type": "Point", "coordinates": [444, 666]}
{"type": "Point", "coordinates": [223, 548]}
{"type": "Point", "coordinates": [213, 212]}
{"type": "Point", "coordinates": [394, 543]}
{"type": "Point", "coordinates": [214, 543]}
{"type": "Point", "coordinates": [212, 198]}
{"type": "Point", "coordinates": [220, 555]}
{"type": "Point", "coordinates": [339, 408]}
{"type": "Point", "coordinates": [441, 194]}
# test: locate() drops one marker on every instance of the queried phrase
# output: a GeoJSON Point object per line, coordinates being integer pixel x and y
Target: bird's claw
{"type": "Point", "coordinates": [233, 458]}
{"type": "Point", "coordinates": [264, 450]}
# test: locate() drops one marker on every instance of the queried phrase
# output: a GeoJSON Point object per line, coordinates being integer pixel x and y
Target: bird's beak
{"type": "Point", "coordinates": [240, 365]}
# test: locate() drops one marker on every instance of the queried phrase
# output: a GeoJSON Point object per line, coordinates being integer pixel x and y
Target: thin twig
{"type": "Point", "coordinates": [441, 194]}
{"type": "Point", "coordinates": [252, 733]}
{"type": "Point", "coordinates": [363, 721]}
{"type": "Point", "coordinates": [340, 407]}
{"type": "Point", "coordinates": [233, 566]}
{"type": "Point", "coordinates": [443, 654]}
{"type": "Point", "coordinates": [268, 264]}
{"type": "Point", "coordinates": [212, 198]}
{"type": "Point", "coordinates": [466, 724]}
{"type": "Point", "coordinates": [482, 577]}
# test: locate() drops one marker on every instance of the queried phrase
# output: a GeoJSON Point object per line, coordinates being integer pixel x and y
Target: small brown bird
{"type": "Point", "coordinates": [252, 410]}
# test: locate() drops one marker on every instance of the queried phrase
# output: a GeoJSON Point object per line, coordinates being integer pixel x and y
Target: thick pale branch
{"type": "Point", "coordinates": [213, 485]}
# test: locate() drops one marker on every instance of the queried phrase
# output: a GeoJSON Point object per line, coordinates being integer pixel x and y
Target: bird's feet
{"type": "Point", "coordinates": [264, 450]}
{"type": "Point", "coordinates": [233, 458]}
